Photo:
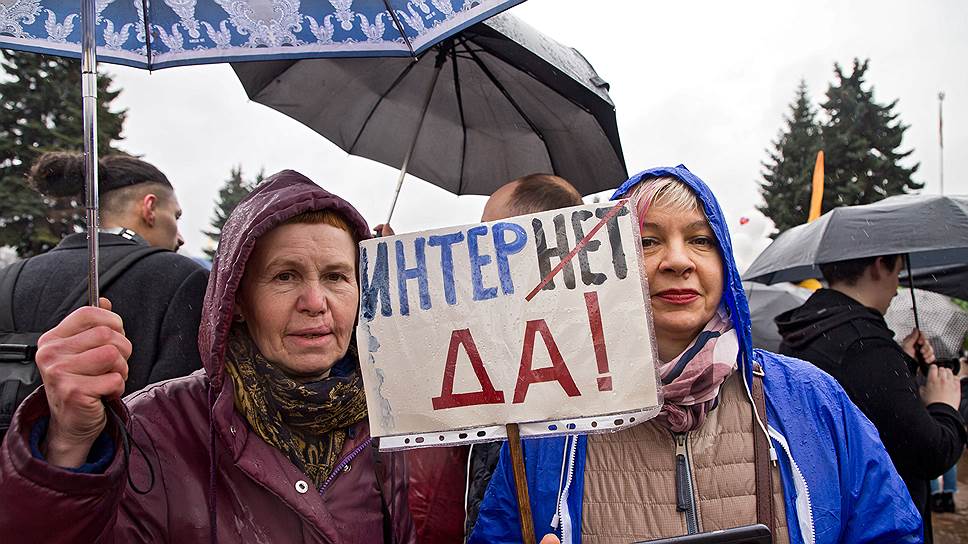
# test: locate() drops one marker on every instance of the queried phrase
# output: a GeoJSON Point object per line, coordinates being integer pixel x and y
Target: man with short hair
{"type": "Point", "coordinates": [530, 194]}
{"type": "Point", "coordinates": [158, 295]}
{"type": "Point", "coordinates": [842, 331]}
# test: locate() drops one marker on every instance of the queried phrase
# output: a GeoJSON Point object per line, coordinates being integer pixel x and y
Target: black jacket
{"type": "Point", "coordinates": [853, 344]}
{"type": "Point", "coordinates": [483, 459]}
{"type": "Point", "coordinates": [159, 298]}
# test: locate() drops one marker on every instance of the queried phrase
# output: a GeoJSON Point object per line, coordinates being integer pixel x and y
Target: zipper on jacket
{"type": "Point", "coordinates": [338, 469]}
{"type": "Point", "coordinates": [565, 524]}
{"type": "Point", "coordinates": [685, 501]}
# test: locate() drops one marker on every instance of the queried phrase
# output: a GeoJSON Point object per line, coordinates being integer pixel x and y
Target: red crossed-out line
{"type": "Point", "coordinates": [581, 243]}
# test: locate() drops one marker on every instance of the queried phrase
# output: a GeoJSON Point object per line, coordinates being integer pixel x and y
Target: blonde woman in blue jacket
{"type": "Point", "coordinates": [692, 468]}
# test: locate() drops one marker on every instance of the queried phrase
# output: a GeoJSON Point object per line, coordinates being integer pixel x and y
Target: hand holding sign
{"type": "Point", "coordinates": [540, 318]}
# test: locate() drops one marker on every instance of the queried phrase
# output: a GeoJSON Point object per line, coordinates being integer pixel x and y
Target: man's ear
{"type": "Point", "coordinates": [880, 269]}
{"type": "Point", "coordinates": [149, 207]}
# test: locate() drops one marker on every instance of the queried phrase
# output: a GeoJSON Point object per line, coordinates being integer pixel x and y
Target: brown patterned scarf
{"type": "Point", "coordinates": [305, 421]}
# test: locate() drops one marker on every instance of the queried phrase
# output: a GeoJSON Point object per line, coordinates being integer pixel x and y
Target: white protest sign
{"type": "Point", "coordinates": [539, 320]}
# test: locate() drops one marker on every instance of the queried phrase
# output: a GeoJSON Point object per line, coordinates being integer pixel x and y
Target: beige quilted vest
{"type": "Point", "coordinates": [630, 477]}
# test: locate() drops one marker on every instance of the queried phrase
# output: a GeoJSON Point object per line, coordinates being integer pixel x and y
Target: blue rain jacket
{"type": "Point", "coordinates": [839, 484]}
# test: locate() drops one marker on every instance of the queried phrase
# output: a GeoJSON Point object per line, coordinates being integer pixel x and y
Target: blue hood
{"type": "Point", "coordinates": [734, 298]}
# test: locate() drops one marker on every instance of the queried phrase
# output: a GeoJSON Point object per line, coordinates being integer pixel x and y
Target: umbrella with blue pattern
{"type": "Point", "coordinates": [165, 33]}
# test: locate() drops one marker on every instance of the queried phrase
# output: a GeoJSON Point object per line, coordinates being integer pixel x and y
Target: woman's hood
{"type": "Point", "coordinates": [734, 298]}
{"type": "Point", "coordinates": [278, 198]}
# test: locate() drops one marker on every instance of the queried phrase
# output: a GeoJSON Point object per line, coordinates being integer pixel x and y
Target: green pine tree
{"type": "Point", "coordinates": [40, 110]}
{"type": "Point", "coordinates": [787, 176]}
{"type": "Point", "coordinates": [229, 196]}
{"type": "Point", "coordinates": [861, 142]}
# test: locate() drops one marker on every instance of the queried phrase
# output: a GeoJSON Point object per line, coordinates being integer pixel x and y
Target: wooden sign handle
{"type": "Point", "coordinates": [520, 483]}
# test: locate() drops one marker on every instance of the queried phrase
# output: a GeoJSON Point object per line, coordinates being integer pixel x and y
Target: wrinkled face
{"type": "Point", "coordinates": [299, 297]}
{"type": "Point", "coordinates": [685, 274]}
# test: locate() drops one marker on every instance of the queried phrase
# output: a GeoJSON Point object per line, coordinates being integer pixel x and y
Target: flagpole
{"type": "Point", "coordinates": [89, 112]}
{"type": "Point", "coordinates": [941, 139]}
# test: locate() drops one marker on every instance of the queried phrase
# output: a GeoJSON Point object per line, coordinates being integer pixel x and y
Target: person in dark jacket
{"type": "Point", "coordinates": [842, 331]}
{"type": "Point", "coordinates": [269, 444]}
{"type": "Point", "coordinates": [159, 297]}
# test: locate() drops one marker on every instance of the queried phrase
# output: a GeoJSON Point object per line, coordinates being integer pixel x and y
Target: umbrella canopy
{"type": "Point", "coordinates": [182, 32]}
{"type": "Point", "coordinates": [931, 229]}
{"type": "Point", "coordinates": [950, 281]}
{"type": "Point", "coordinates": [497, 101]}
{"type": "Point", "coordinates": [766, 302]}
{"type": "Point", "coordinates": [233, 30]}
{"type": "Point", "coordinates": [942, 321]}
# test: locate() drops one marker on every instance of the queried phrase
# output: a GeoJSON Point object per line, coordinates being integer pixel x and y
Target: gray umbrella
{"type": "Point", "coordinates": [498, 101]}
{"type": "Point", "coordinates": [931, 229]}
{"type": "Point", "coordinates": [931, 232]}
{"type": "Point", "coordinates": [942, 321]}
{"type": "Point", "coordinates": [766, 302]}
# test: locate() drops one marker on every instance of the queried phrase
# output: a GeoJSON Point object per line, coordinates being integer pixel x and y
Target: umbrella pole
{"type": "Point", "coordinates": [914, 306]}
{"type": "Point", "coordinates": [910, 277]}
{"type": "Point", "coordinates": [438, 66]}
{"type": "Point", "coordinates": [89, 109]}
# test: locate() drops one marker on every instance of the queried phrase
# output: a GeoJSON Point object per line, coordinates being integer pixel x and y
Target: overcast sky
{"type": "Point", "coordinates": [705, 83]}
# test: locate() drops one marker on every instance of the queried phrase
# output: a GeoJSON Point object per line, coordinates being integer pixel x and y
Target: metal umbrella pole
{"type": "Point", "coordinates": [89, 109]}
{"type": "Point", "coordinates": [914, 307]}
{"type": "Point", "coordinates": [438, 66]}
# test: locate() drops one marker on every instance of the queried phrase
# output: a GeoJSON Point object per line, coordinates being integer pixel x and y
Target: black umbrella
{"type": "Point", "coordinates": [498, 101]}
{"type": "Point", "coordinates": [931, 231]}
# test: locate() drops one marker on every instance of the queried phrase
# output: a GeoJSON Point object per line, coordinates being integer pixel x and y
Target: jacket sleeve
{"type": "Point", "coordinates": [498, 521]}
{"type": "Point", "coordinates": [923, 441]}
{"type": "Point", "coordinates": [87, 506]}
{"type": "Point", "coordinates": [178, 337]}
{"type": "Point", "coordinates": [877, 505]}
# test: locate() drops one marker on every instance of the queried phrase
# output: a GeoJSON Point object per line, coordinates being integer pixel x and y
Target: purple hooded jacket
{"type": "Point", "coordinates": [215, 480]}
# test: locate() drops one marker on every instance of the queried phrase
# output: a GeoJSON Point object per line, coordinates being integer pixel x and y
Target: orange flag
{"type": "Point", "coordinates": [816, 202]}
{"type": "Point", "coordinates": [816, 196]}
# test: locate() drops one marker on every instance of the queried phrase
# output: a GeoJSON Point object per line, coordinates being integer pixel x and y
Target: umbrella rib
{"type": "Point", "coordinates": [497, 55]}
{"type": "Point", "coordinates": [513, 103]}
{"type": "Point", "coordinates": [396, 23]}
{"type": "Point", "coordinates": [369, 116]}
{"type": "Point", "coordinates": [463, 124]}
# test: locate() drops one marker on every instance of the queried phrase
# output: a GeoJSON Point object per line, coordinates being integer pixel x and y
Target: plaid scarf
{"type": "Point", "coordinates": [305, 421]}
{"type": "Point", "coordinates": [691, 381]}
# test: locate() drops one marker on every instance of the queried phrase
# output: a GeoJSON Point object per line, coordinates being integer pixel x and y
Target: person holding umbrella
{"type": "Point", "coordinates": [705, 462]}
{"type": "Point", "coordinates": [269, 444]}
{"type": "Point", "coordinates": [842, 330]}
